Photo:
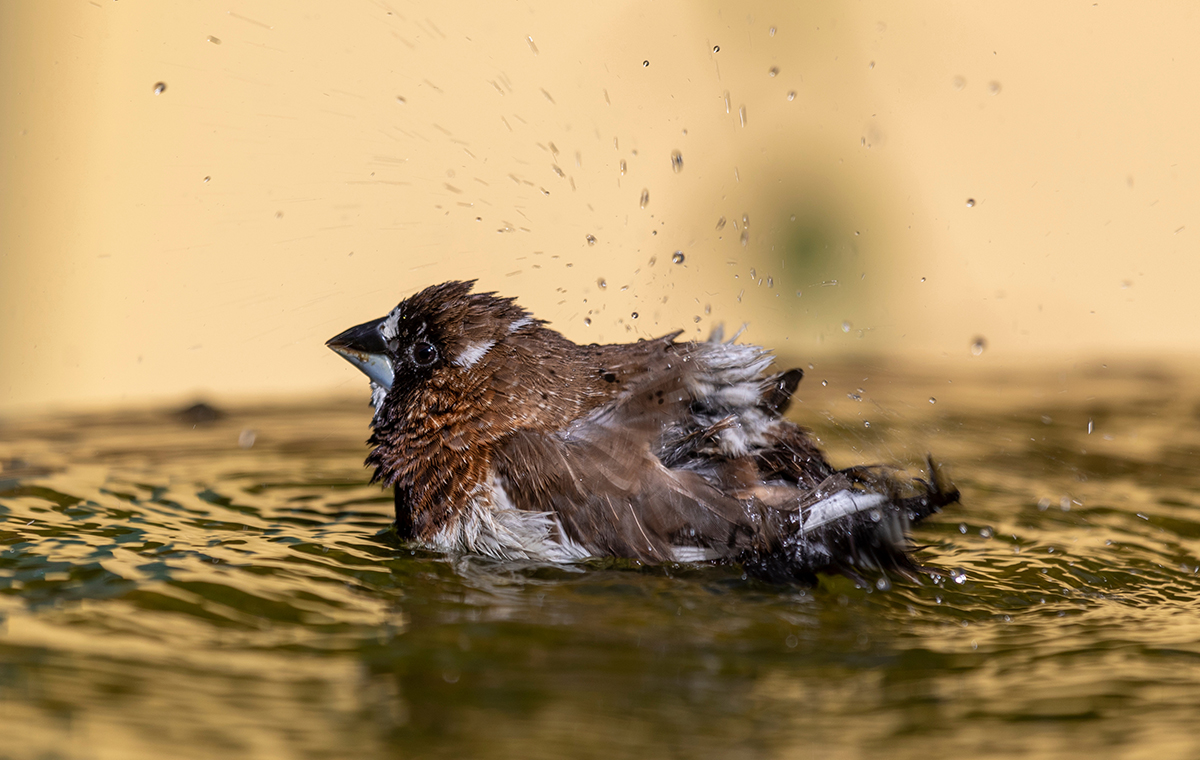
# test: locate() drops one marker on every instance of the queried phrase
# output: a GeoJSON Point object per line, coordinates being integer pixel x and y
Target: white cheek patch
{"type": "Point", "coordinates": [519, 323]}
{"type": "Point", "coordinates": [471, 355]}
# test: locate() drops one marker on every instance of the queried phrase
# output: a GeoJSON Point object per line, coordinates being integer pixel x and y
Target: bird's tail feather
{"type": "Point", "coordinates": [858, 530]}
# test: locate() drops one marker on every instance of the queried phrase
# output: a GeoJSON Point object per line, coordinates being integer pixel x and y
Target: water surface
{"type": "Point", "coordinates": [184, 586]}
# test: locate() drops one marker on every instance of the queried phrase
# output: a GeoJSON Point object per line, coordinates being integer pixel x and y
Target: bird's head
{"type": "Point", "coordinates": [453, 371]}
{"type": "Point", "coordinates": [442, 338]}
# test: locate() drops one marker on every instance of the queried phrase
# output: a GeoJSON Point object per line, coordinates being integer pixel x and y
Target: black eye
{"type": "Point", "coordinates": [424, 353]}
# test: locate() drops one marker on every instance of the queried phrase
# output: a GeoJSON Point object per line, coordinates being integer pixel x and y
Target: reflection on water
{"type": "Point", "coordinates": [222, 584]}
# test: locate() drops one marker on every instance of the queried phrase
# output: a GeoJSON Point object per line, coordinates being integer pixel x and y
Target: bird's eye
{"type": "Point", "coordinates": [424, 353]}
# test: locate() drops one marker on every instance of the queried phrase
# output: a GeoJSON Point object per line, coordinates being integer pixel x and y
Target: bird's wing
{"type": "Point", "coordinates": [634, 479]}
{"type": "Point", "coordinates": [604, 482]}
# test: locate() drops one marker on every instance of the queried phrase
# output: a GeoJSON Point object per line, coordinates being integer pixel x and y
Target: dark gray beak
{"type": "Point", "coordinates": [365, 347]}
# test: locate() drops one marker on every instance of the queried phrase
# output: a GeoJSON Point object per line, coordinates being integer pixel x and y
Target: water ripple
{"type": "Point", "coordinates": [178, 594]}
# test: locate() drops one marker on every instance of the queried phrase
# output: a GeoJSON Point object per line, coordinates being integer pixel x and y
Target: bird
{"type": "Point", "coordinates": [501, 437]}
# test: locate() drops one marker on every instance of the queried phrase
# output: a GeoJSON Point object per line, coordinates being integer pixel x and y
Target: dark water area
{"type": "Point", "coordinates": [223, 585]}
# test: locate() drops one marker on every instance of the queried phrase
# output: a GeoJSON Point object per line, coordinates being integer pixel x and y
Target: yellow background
{"type": "Point", "coordinates": [309, 164]}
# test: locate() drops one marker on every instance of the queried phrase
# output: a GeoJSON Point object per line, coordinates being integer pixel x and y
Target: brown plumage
{"type": "Point", "coordinates": [502, 437]}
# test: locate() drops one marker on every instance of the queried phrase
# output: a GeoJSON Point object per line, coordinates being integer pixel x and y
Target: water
{"type": "Point", "coordinates": [168, 591]}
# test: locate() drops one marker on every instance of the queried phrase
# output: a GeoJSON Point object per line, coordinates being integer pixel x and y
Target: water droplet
{"type": "Point", "coordinates": [958, 83]}
{"type": "Point", "coordinates": [676, 161]}
{"type": "Point", "coordinates": [773, 71]}
{"type": "Point", "coordinates": [866, 423]}
{"type": "Point", "coordinates": [883, 584]}
{"type": "Point", "coordinates": [745, 237]}
{"type": "Point", "coordinates": [870, 65]}
{"type": "Point", "coordinates": [994, 88]}
{"type": "Point", "coordinates": [696, 318]}
{"type": "Point", "coordinates": [771, 32]}
{"type": "Point", "coordinates": [623, 167]}
{"type": "Point", "coordinates": [708, 308]}
{"type": "Point", "coordinates": [159, 87]}
{"type": "Point", "coordinates": [985, 532]}
{"type": "Point", "coordinates": [634, 315]}
{"type": "Point", "coordinates": [978, 345]}
{"type": "Point", "coordinates": [602, 283]}
{"type": "Point", "coordinates": [587, 321]}
{"type": "Point", "coordinates": [958, 575]}
{"type": "Point", "coordinates": [214, 40]}
{"type": "Point", "coordinates": [742, 114]}
{"type": "Point", "coordinates": [716, 48]}
{"type": "Point", "coordinates": [645, 197]}
{"type": "Point", "coordinates": [932, 400]}
{"type": "Point", "coordinates": [1091, 426]}
{"type": "Point", "coordinates": [1043, 504]}
{"type": "Point", "coordinates": [532, 46]}
{"type": "Point", "coordinates": [846, 325]}
{"type": "Point", "coordinates": [677, 257]}
{"type": "Point", "coordinates": [922, 279]}
{"type": "Point", "coordinates": [721, 223]}
{"type": "Point", "coordinates": [653, 261]}
{"type": "Point", "coordinates": [791, 95]}
{"type": "Point", "coordinates": [753, 274]}
{"type": "Point", "coordinates": [770, 281]}
{"type": "Point", "coordinates": [970, 202]}
{"type": "Point", "coordinates": [799, 294]}
{"type": "Point", "coordinates": [727, 101]}
{"type": "Point", "coordinates": [645, 64]}
{"type": "Point", "coordinates": [591, 239]}
{"type": "Point", "coordinates": [400, 99]}
{"type": "Point", "coordinates": [207, 179]}
{"type": "Point", "coordinates": [824, 383]}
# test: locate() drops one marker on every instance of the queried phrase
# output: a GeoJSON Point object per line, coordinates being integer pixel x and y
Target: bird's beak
{"type": "Point", "coordinates": [365, 347]}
